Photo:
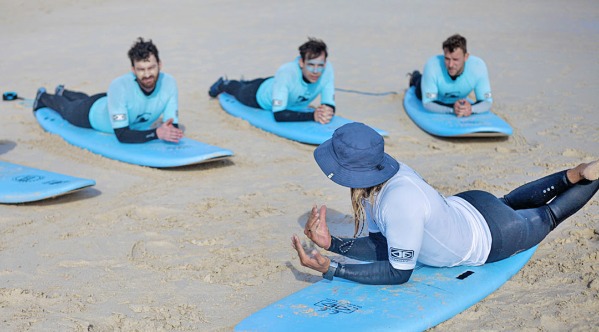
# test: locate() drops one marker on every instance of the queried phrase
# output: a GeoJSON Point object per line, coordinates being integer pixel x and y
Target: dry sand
{"type": "Point", "coordinates": [200, 248]}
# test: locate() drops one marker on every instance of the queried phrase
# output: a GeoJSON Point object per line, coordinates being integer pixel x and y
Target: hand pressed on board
{"type": "Point", "coordinates": [462, 108]}
{"type": "Point", "coordinates": [168, 132]}
{"type": "Point", "coordinates": [315, 260]}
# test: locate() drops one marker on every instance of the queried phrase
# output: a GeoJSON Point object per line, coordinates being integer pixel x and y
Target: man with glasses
{"type": "Point", "coordinates": [295, 85]}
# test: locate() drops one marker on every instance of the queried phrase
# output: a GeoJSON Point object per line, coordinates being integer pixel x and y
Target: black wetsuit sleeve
{"type": "Point", "coordinates": [443, 104]}
{"type": "Point", "coordinates": [126, 135]}
{"type": "Point", "coordinates": [290, 116]}
{"type": "Point", "coordinates": [372, 248]}
{"type": "Point", "coordinates": [481, 106]}
{"type": "Point", "coordinates": [369, 249]}
{"type": "Point", "coordinates": [331, 106]}
{"type": "Point", "coordinates": [377, 273]}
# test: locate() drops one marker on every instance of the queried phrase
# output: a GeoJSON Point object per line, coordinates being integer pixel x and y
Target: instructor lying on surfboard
{"type": "Point", "coordinates": [409, 221]}
{"type": "Point", "coordinates": [448, 79]}
{"type": "Point", "coordinates": [295, 85]}
{"type": "Point", "coordinates": [133, 103]}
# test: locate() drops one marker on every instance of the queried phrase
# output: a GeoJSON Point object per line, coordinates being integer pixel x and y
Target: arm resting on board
{"type": "Point", "coordinates": [127, 135]}
{"type": "Point", "coordinates": [371, 249]}
{"type": "Point", "coordinates": [377, 273]}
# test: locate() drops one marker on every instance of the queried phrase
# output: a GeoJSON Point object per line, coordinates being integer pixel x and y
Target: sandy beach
{"type": "Point", "coordinates": [199, 248]}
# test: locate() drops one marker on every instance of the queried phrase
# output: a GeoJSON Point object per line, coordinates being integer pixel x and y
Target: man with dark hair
{"type": "Point", "coordinates": [295, 85]}
{"type": "Point", "coordinates": [134, 102]}
{"type": "Point", "coordinates": [448, 79]}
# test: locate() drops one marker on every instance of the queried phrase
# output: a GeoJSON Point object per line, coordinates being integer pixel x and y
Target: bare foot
{"type": "Point", "coordinates": [588, 171]}
{"type": "Point", "coordinates": [591, 171]}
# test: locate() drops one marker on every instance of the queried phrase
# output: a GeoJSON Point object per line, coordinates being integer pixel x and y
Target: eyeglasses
{"type": "Point", "coordinates": [315, 66]}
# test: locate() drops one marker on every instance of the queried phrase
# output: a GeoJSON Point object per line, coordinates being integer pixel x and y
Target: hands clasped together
{"type": "Point", "coordinates": [323, 114]}
{"type": "Point", "coordinates": [462, 108]}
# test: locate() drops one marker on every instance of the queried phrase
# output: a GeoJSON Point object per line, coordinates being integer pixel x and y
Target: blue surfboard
{"type": "Point", "coordinates": [485, 124]}
{"type": "Point", "coordinates": [20, 184]}
{"type": "Point", "coordinates": [155, 153]}
{"type": "Point", "coordinates": [308, 132]}
{"type": "Point", "coordinates": [432, 296]}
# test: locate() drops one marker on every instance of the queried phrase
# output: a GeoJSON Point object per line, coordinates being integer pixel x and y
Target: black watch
{"type": "Point", "coordinates": [331, 271]}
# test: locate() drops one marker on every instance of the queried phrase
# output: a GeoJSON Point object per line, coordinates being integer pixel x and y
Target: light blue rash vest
{"type": "Point", "coordinates": [287, 90]}
{"type": "Point", "coordinates": [127, 105]}
{"type": "Point", "coordinates": [437, 85]}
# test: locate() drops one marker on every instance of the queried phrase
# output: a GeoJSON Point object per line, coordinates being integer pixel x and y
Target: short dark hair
{"type": "Point", "coordinates": [454, 42]}
{"type": "Point", "coordinates": [141, 50]}
{"type": "Point", "coordinates": [313, 48]}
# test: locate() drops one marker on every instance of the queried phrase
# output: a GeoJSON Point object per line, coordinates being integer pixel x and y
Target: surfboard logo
{"type": "Point", "coordinates": [335, 306]}
{"type": "Point", "coordinates": [28, 178]}
{"type": "Point", "coordinates": [401, 255]}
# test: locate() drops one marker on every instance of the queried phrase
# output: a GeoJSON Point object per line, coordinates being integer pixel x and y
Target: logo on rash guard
{"type": "Point", "coordinates": [431, 95]}
{"type": "Point", "coordinates": [277, 102]}
{"type": "Point", "coordinates": [452, 95]}
{"type": "Point", "coordinates": [119, 117]}
{"type": "Point", "coordinates": [401, 255]}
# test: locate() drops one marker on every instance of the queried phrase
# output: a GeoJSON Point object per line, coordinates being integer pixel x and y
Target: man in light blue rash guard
{"type": "Point", "coordinates": [448, 79]}
{"type": "Point", "coordinates": [134, 102]}
{"type": "Point", "coordinates": [295, 85]}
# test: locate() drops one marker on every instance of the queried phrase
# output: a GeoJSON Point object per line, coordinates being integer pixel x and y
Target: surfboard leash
{"type": "Point", "coordinates": [367, 93]}
{"type": "Point", "coordinates": [11, 96]}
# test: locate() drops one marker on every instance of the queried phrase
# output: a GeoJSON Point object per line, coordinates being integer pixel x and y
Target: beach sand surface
{"type": "Point", "coordinates": [200, 248]}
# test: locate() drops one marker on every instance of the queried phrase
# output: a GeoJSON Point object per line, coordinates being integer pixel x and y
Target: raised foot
{"type": "Point", "coordinates": [591, 171]}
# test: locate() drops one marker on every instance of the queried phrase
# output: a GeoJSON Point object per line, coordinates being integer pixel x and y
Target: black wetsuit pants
{"type": "Point", "coordinates": [523, 218]}
{"type": "Point", "coordinates": [244, 91]}
{"type": "Point", "coordinates": [72, 106]}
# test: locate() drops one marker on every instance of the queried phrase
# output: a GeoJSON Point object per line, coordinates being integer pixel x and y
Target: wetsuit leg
{"type": "Point", "coordinates": [75, 112]}
{"type": "Point", "coordinates": [556, 211]}
{"type": "Point", "coordinates": [74, 95]}
{"type": "Point", "coordinates": [567, 197]}
{"type": "Point", "coordinates": [539, 192]}
{"type": "Point", "coordinates": [418, 88]}
{"type": "Point", "coordinates": [513, 231]}
{"type": "Point", "coordinates": [572, 200]}
{"type": "Point", "coordinates": [244, 91]}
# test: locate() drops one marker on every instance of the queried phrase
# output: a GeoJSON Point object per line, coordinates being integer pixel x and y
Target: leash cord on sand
{"type": "Point", "coordinates": [367, 93]}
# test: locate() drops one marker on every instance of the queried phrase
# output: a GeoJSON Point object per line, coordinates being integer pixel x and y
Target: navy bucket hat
{"type": "Point", "coordinates": [355, 157]}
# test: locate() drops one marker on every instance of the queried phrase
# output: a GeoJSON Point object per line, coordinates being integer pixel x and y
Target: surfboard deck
{"type": "Point", "coordinates": [432, 296]}
{"type": "Point", "coordinates": [448, 125]}
{"type": "Point", "coordinates": [21, 184]}
{"type": "Point", "coordinates": [155, 153]}
{"type": "Point", "coordinates": [308, 132]}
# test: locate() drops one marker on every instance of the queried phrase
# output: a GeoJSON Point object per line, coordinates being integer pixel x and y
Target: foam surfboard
{"type": "Point", "coordinates": [485, 124]}
{"type": "Point", "coordinates": [20, 184]}
{"type": "Point", "coordinates": [430, 297]}
{"type": "Point", "coordinates": [155, 153]}
{"type": "Point", "coordinates": [308, 132]}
